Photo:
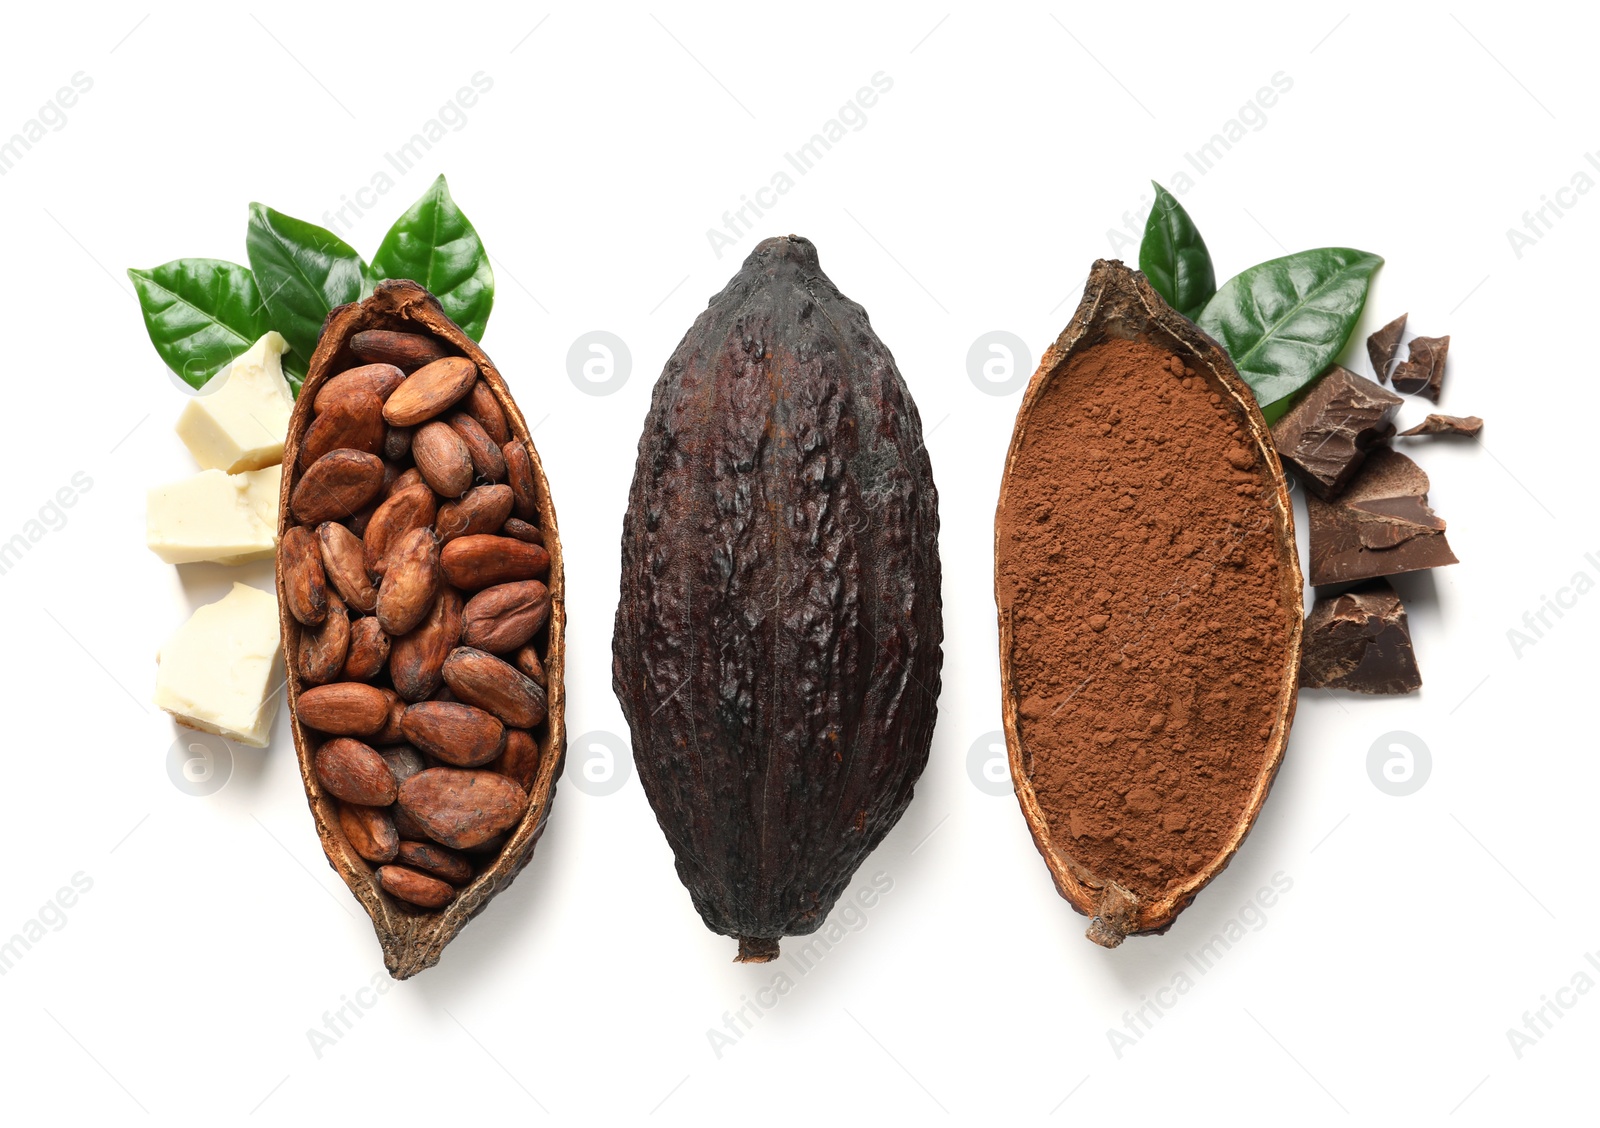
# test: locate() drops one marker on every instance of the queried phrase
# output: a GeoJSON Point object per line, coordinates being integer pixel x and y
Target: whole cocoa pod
{"type": "Point", "coordinates": [777, 645]}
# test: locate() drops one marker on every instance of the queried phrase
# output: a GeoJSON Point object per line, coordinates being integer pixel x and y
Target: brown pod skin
{"type": "Point", "coordinates": [379, 379]}
{"type": "Point", "coordinates": [472, 563]}
{"type": "Point", "coordinates": [482, 406]}
{"type": "Point", "coordinates": [417, 659]}
{"type": "Point", "coordinates": [406, 351]}
{"type": "Point", "coordinates": [482, 510]}
{"type": "Point", "coordinates": [519, 476]}
{"type": "Point", "coordinates": [369, 650]}
{"type": "Point", "coordinates": [462, 809]}
{"type": "Point", "coordinates": [304, 582]}
{"type": "Point", "coordinates": [350, 770]}
{"type": "Point", "coordinates": [487, 461]}
{"type": "Point", "coordinates": [522, 531]}
{"type": "Point", "coordinates": [481, 679]}
{"type": "Point", "coordinates": [370, 832]}
{"type": "Point", "coordinates": [344, 709]}
{"type": "Point", "coordinates": [344, 564]}
{"type": "Point", "coordinates": [463, 736]}
{"type": "Point", "coordinates": [777, 644]}
{"type": "Point", "coordinates": [443, 458]}
{"type": "Point", "coordinates": [502, 618]}
{"type": "Point", "coordinates": [412, 508]}
{"type": "Point", "coordinates": [352, 421]}
{"type": "Point", "coordinates": [402, 324]}
{"type": "Point", "coordinates": [1118, 307]}
{"type": "Point", "coordinates": [415, 887]}
{"type": "Point", "coordinates": [520, 760]}
{"type": "Point", "coordinates": [430, 390]}
{"type": "Point", "coordinates": [410, 581]}
{"type": "Point", "coordinates": [435, 860]}
{"type": "Point", "coordinates": [336, 485]}
{"type": "Point", "coordinates": [323, 649]}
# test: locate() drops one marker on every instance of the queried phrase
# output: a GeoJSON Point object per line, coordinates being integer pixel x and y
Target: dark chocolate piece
{"type": "Point", "coordinates": [1380, 526]}
{"type": "Point", "coordinates": [1383, 345]}
{"type": "Point", "coordinates": [1468, 425]}
{"type": "Point", "coordinates": [1360, 641]}
{"type": "Point", "coordinates": [1422, 373]}
{"type": "Point", "coordinates": [1326, 435]}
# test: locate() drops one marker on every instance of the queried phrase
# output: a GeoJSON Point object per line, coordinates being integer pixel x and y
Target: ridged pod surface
{"type": "Point", "coordinates": [777, 645]}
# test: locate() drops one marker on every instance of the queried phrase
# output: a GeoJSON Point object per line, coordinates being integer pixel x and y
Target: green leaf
{"type": "Point", "coordinates": [1174, 257]}
{"type": "Point", "coordinates": [200, 314]}
{"type": "Point", "coordinates": [303, 271]}
{"type": "Point", "coordinates": [434, 244]}
{"type": "Point", "coordinates": [1285, 320]}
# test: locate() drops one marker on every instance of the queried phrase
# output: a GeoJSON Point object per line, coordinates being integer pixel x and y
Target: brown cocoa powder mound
{"type": "Point", "coordinates": [1148, 644]}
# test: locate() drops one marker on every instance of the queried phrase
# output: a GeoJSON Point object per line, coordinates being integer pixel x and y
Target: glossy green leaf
{"type": "Point", "coordinates": [200, 314]}
{"type": "Point", "coordinates": [1174, 257]}
{"type": "Point", "coordinates": [1284, 321]}
{"type": "Point", "coordinates": [434, 244]}
{"type": "Point", "coordinates": [303, 271]}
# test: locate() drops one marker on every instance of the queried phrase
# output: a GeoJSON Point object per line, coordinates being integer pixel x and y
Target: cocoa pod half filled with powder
{"type": "Point", "coordinates": [407, 782]}
{"type": "Point", "coordinates": [777, 645]}
{"type": "Point", "coordinates": [1149, 601]}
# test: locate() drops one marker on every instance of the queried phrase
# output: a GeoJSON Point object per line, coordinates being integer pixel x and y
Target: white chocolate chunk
{"type": "Point", "coordinates": [242, 422]}
{"type": "Point", "coordinates": [216, 517]}
{"type": "Point", "coordinates": [220, 671]}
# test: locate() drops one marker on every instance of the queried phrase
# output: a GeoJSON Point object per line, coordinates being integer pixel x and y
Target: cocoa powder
{"type": "Point", "coordinates": [1142, 581]}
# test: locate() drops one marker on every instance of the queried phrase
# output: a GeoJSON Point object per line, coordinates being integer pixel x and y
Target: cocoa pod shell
{"type": "Point", "coordinates": [504, 617]}
{"type": "Point", "coordinates": [402, 324]}
{"type": "Point", "coordinates": [780, 607]}
{"type": "Point", "coordinates": [1118, 303]}
{"type": "Point", "coordinates": [473, 563]}
{"type": "Point", "coordinates": [416, 660]}
{"type": "Point", "coordinates": [461, 735]}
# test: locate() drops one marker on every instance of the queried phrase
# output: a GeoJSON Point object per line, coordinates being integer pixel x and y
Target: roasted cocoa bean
{"type": "Point", "coordinates": [406, 351]}
{"type": "Point", "coordinates": [487, 461]}
{"type": "Point", "coordinates": [473, 563]}
{"type": "Point", "coordinates": [354, 421]}
{"type": "Point", "coordinates": [379, 379]}
{"type": "Point", "coordinates": [344, 564]}
{"type": "Point", "coordinates": [482, 510]}
{"type": "Point", "coordinates": [436, 860]}
{"type": "Point", "coordinates": [519, 476]}
{"type": "Point", "coordinates": [369, 650]}
{"type": "Point", "coordinates": [416, 887]}
{"type": "Point", "coordinates": [429, 390]}
{"type": "Point", "coordinates": [305, 585]}
{"type": "Point", "coordinates": [370, 832]}
{"type": "Point", "coordinates": [443, 459]}
{"type": "Point", "coordinates": [459, 734]}
{"type": "Point", "coordinates": [336, 485]}
{"type": "Point", "coordinates": [482, 406]}
{"type": "Point", "coordinates": [481, 679]}
{"type": "Point", "coordinates": [417, 659]}
{"type": "Point", "coordinates": [527, 660]}
{"type": "Point", "coordinates": [522, 531]}
{"type": "Point", "coordinates": [412, 508]}
{"type": "Point", "coordinates": [350, 770]}
{"type": "Point", "coordinates": [410, 581]}
{"type": "Point", "coordinates": [323, 649]}
{"type": "Point", "coordinates": [502, 618]}
{"type": "Point", "coordinates": [520, 760]}
{"type": "Point", "coordinates": [344, 708]}
{"type": "Point", "coordinates": [463, 809]}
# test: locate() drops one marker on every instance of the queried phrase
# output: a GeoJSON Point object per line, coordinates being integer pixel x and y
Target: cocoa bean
{"type": "Point", "coordinates": [527, 660]}
{"type": "Point", "coordinates": [482, 510]}
{"type": "Point", "coordinates": [397, 443]}
{"type": "Point", "coordinates": [344, 709]}
{"type": "Point", "coordinates": [410, 581]}
{"type": "Point", "coordinates": [379, 379]}
{"type": "Point", "coordinates": [487, 461]}
{"type": "Point", "coordinates": [305, 586]}
{"type": "Point", "coordinates": [463, 809]}
{"type": "Point", "coordinates": [369, 650]}
{"type": "Point", "coordinates": [322, 650]}
{"type": "Point", "coordinates": [370, 832]}
{"type": "Point", "coordinates": [390, 732]}
{"type": "Point", "coordinates": [520, 760]}
{"type": "Point", "coordinates": [522, 531]}
{"type": "Point", "coordinates": [336, 485]}
{"type": "Point", "coordinates": [482, 405]}
{"type": "Point", "coordinates": [406, 351]}
{"type": "Point", "coordinates": [481, 679]}
{"type": "Point", "coordinates": [429, 390]}
{"type": "Point", "coordinates": [411, 508]}
{"type": "Point", "coordinates": [350, 770]}
{"type": "Point", "coordinates": [417, 659]}
{"type": "Point", "coordinates": [443, 458]}
{"type": "Point", "coordinates": [352, 421]}
{"type": "Point", "coordinates": [410, 477]}
{"type": "Point", "coordinates": [344, 564]}
{"type": "Point", "coordinates": [403, 760]}
{"type": "Point", "coordinates": [519, 476]}
{"type": "Point", "coordinates": [472, 563]}
{"type": "Point", "coordinates": [406, 826]}
{"type": "Point", "coordinates": [436, 860]}
{"type": "Point", "coordinates": [461, 735]}
{"type": "Point", "coordinates": [502, 618]}
{"type": "Point", "coordinates": [417, 888]}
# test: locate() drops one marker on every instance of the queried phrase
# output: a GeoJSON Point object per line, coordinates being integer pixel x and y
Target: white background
{"type": "Point", "coordinates": [1418, 929]}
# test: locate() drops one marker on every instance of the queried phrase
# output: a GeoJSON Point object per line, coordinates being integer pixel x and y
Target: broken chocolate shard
{"type": "Point", "coordinates": [1468, 425]}
{"type": "Point", "coordinates": [1325, 436]}
{"type": "Point", "coordinates": [1383, 345]}
{"type": "Point", "coordinates": [1422, 373]}
{"type": "Point", "coordinates": [1360, 641]}
{"type": "Point", "coordinates": [1380, 526]}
